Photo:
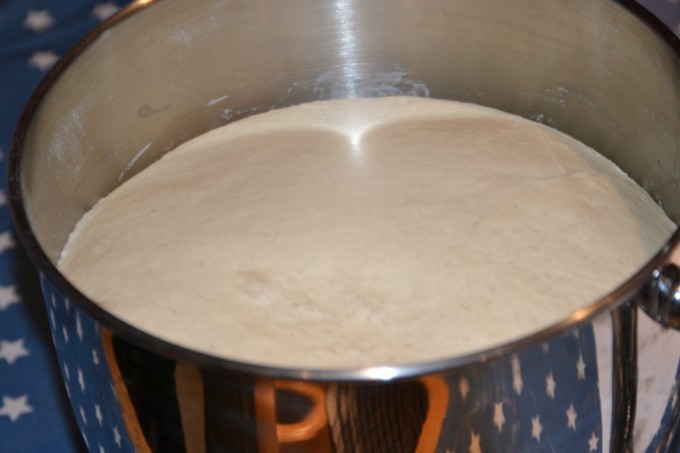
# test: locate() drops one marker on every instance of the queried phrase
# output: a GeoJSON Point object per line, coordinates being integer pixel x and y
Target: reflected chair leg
{"type": "Point", "coordinates": [191, 400]}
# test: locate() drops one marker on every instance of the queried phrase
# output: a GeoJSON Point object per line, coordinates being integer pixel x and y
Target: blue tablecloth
{"type": "Point", "coordinates": [34, 413]}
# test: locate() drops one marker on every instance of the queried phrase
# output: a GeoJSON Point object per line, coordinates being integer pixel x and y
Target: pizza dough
{"type": "Point", "coordinates": [363, 232]}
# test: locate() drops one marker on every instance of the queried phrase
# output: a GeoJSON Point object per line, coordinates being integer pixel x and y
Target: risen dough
{"type": "Point", "coordinates": [355, 232]}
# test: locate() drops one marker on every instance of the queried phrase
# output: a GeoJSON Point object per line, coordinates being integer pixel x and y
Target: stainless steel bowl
{"type": "Point", "coordinates": [160, 73]}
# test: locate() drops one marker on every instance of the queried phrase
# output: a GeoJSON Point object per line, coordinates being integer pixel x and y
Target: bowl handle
{"type": "Point", "coordinates": [660, 298]}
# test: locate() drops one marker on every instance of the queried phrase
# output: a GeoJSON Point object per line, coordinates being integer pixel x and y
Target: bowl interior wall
{"type": "Point", "coordinates": [177, 69]}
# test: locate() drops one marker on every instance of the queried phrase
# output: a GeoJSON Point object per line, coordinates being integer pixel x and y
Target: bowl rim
{"type": "Point", "coordinates": [387, 372]}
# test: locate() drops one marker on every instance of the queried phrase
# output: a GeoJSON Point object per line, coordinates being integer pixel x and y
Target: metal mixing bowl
{"type": "Point", "coordinates": [159, 73]}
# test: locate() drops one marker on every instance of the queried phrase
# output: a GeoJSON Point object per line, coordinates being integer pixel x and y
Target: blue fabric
{"type": "Point", "coordinates": [530, 403]}
{"type": "Point", "coordinates": [34, 412]}
{"type": "Point", "coordinates": [88, 378]}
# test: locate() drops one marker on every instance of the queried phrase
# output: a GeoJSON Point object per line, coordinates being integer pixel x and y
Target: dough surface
{"type": "Point", "coordinates": [363, 232]}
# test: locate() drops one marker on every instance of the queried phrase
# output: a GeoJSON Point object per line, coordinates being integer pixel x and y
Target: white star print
{"type": "Point", "coordinates": [101, 449]}
{"type": "Point", "coordinates": [3, 198]}
{"type": "Point", "coordinates": [8, 296]}
{"type": "Point", "coordinates": [103, 11]}
{"type": "Point", "coordinates": [79, 327]}
{"type": "Point", "coordinates": [6, 241]}
{"type": "Point", "coordinates": [592, 442]}
{"type": "Point", "coordinates": [95, 357]}
{"type": "Point", "coordinates": [475, 446]}
{"type": "Point", "coordinates": [463, 387]}
{"type": "Point", "coordinates": [64, 332]}
{"type": "Point", "coordinates": [82, 414]}
{"type": "Point", "coordinates": [67, 373]}
{"type": "Point", "coordinates": [53, 319]}
{"type": "Point", "coordinates": [116, 436]}
{"type": "Point", "coordinates": [545, 347]}
{"type": "Point", "coordinates": [498, 416]}
{"type": "Point", "coordinates": [571, 417]}
{"type": "Point", "coordinates": [15, 407]}
{"type": "Point", "coordinates": [581, 368]}
{"type": "Point", "coordinates": [550, 385]}
{"type": "Point", "coordinates": [81, 380]}
{"type": "Point", "coordinates": [517, 382]}
{"type": "Point", "coordinates": [536, 428]}
{"type": "Point", "coordinates": [67, 304]}
{"type": "Point", "coordinates": [54, 301]}
{"type": "Point", "coordinates": [43, 59]}
{"type": "Point", "coordinates": [12, 350]}
{"type": "Point", "coordinates": [38, 21]}
{"type": "Point", "coordinates": [98, 414]}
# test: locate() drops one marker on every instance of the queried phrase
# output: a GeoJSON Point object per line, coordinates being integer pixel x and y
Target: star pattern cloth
{"type": "Point", "coordinates": [532, 400]}
{"type": "Point", "coordinates": [35, 413]}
